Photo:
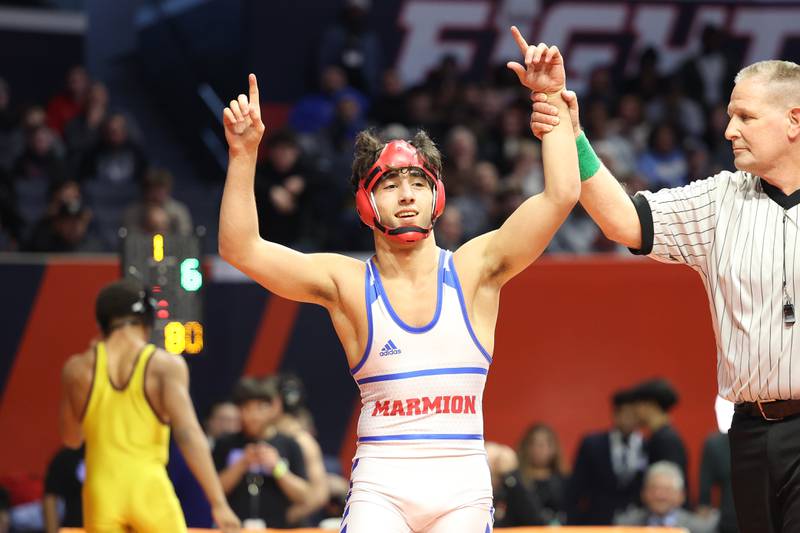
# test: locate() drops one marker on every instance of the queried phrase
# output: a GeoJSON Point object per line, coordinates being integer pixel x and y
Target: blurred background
{"type": "Point", "coordinates": [110, 118]}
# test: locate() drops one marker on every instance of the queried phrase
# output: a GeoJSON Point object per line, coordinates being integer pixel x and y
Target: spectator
{"type": "Point", "coordinates": [294, 421]}
{"type": "Point", "coordinates": [535, 492]}
{"type": "Point", "coordinates": [83, 132]}
{"type": "Point", "coordinates": [316, 111]}
{"type": "Point", "coordinates": [607, 474]}
{"type": "Point", "coordinates": [708, 75]}
{"type": "Point", "coordinates": [116, 158]}
{"type": "Point", "coordinates": [157, 192]}
{"type": "Point", "coordinates": [354, 46]}
{"type": "Point", "coordinates": [460, 158]}
{"type": "Point", "coordinates": [477, 204]}
{"type": "Point", "coordinates": [262, 470]}
{"type": "Point", "coordinates": [65, 231]}
{"type": "Point", "coordinates": [9, 129]}
{"type": "Point", "coordinates": [450, 229]}
{"type": "Point", "coordinates": [223, 419]}
{"type": "Point", "coordinates": [389, 107]}
{"type": "Point", "coordinates": [69, 103]}
{"type": "Point", "coordinates": [62, 490]}
{"type": "Point", "coordinates": [653, 399]}
{"type": "Point", "coordinates": [663, 164]}
{"type": "Point", "coordinates": [647, 80]}
{"type": "Point", "coordinates": [676, 104]}
{"type": "Point", "coordinates": [42, 157]}
{"type": "Point", "coordinates": [629, 122]}
{"type": "Point", "coordinates": [502, 461]}
{"type": "Point", "coordinates": [282, 195]}
{"type": "Point", "coordinates": [662, 496]}
{"type": "Point", "coordinates": [10, 220]}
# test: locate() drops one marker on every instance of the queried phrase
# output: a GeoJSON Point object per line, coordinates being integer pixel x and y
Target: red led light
{"type": "Point", "coordinates": [162, 313]}
{"type": "Point", "coordinates": [163, 303]}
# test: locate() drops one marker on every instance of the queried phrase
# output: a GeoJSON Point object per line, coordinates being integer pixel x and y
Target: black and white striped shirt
{"type": "Point", "coordinates": [739, 233]}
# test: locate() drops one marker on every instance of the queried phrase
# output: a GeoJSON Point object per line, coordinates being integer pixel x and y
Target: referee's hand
{"type": "Point", "coordinates": [545, 116]}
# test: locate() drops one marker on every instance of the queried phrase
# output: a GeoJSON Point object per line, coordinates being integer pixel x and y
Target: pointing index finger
{"type": "Point", "coordinates": [521, 42]}
{"type": "Point", "coordinates": [254, 101]}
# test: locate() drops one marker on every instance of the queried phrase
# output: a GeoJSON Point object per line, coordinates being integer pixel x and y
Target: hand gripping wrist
{"type": "Point", "coordinates": [588, 162]}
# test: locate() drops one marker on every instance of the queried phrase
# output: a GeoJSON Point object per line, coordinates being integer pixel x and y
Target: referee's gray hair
{"type": "Point", "coordinates": [665, 468]}
{"type": "Point", "coordinates": [782, 79]}
{"type": "Point", "coordinates": [772, 69]}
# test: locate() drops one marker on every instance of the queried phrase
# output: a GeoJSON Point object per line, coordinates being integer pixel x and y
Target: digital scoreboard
{"type": "Point", "coordinates": [169, 266]}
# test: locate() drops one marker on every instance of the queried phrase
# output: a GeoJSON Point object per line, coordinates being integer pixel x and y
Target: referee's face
{"type": "Point", "coordinates": [757, 128]}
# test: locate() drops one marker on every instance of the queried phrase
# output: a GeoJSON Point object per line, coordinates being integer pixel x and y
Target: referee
{"type": "Point", "coordinates": [739, 231]}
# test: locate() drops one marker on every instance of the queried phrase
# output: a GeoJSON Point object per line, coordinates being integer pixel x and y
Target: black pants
{"type": "Point", "coordinates": [765, 473]}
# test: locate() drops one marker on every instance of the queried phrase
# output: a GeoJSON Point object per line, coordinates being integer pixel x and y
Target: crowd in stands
{"type": "Point", "coordinates": [70, 168]}
{"type": "Point", "coordinates": [275, 473]}
{"type": "Point", "coordinates": [74, 170]}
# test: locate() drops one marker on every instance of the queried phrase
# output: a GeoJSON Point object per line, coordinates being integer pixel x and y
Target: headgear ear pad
{"type": "Point", "coordinates": [121, 299]}
{"type": "Point", "coordinates": [397, 154]}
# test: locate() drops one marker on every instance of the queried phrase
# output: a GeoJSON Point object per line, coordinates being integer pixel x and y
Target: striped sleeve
{"type": "Point", "coordinates": [678, 224]}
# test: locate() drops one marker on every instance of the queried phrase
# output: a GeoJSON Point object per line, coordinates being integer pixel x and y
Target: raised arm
{"type": "Point", "coordinates": [190, 439]}
{"type": "Point", "coordinates": [527, 232]}
{"type": "Point", "coordinates": [601, 194]}
{"type": "Point", "coordinates": [286, 272]}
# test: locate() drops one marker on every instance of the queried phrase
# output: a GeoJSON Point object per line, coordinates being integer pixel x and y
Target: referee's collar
{"type": "Point", "coordinates": [779, 197]}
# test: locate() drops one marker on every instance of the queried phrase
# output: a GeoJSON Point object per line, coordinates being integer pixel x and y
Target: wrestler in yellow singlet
{"type": "Point", "coordinates": [127, 448]}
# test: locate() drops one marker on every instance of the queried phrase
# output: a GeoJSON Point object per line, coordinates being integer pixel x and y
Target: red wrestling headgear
{"type": "Point", "coordinates": [397, 155]}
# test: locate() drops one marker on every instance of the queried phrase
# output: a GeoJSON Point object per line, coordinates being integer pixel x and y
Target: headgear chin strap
{"type": "Point", "coordinates": [397, 155]}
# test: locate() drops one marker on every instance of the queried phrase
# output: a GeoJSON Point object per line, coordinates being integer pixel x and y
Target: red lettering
{"type": "Point", "coordinates": [446, 404]}
{"type": "Point", "coordinates": [458, 404]}
{"type": "Point", "coordinates": [428, 405]}
{"type": "Point", "coordinates": [397, 408]}
{"type": "Point", "coordinates": [381, 408]}
{"type": "Point", "coordinates": [469, 405]}
{"type": "Point", "coordinates": [412, 406]}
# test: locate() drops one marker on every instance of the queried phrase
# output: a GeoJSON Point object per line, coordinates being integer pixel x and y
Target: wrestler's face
{"type": "Point", "coordinates": [758, 127]}
{"type": "Point", "coordinates": [404, 198]}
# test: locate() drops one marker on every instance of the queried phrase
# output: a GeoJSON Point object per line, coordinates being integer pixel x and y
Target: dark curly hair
{"type": "Point", "coordinates": [368, 146]}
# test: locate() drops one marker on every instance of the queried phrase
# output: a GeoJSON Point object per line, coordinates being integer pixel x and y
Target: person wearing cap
{"type": "Point", "coordinates": [122, 397]}
{"type": "Point", "coordinates": [607, 473]}
{"type": "Point", "coordinates": [653, 400]}
{"type": "Point", "coordinates": [416, 322]}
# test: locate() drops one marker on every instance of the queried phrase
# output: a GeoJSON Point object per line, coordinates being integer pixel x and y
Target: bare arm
{"type": "Point", "coordinates": [528, 231]}
{"type": "Point", "coordinates": [231, 476]}
{"type": "Point", "coordinates": [601, 195]}
{"type": "Point", "coordinates": [50, 510]}
{"type": "Point", "coordinates": [190, 439]}
{"type": "Point", "coordinates": [294, 487]}
{"type": "Point", "coordinates": [286, 272]}
{"type": "Point", "coordinates": [69, 419]}
{"type": "Point", "coordinates": [317, 480]}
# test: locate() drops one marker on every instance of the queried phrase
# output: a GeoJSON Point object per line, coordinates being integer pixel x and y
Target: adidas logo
{"type": "Point", "coordinates": [390, 349]}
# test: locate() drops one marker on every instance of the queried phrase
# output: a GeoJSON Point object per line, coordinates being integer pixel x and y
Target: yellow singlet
{"type": "Point", "coordinates": [127, 446]}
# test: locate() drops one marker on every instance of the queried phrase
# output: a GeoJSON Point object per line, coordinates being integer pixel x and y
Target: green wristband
{"type": "Point", "coordinates": [588, 162]}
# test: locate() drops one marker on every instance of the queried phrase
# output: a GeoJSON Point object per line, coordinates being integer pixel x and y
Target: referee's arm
{"type": "Point", "coordinates": [612, 209]}
{"type": "Point", "coordinates": [601, 195]}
